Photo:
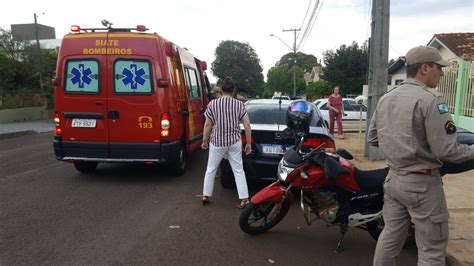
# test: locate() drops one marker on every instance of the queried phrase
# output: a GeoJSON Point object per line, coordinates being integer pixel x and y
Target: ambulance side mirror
{"type": "Point", "coordinates": [163, 83]}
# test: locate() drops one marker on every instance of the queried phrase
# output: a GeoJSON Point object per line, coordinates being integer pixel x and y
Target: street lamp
{"type": "Point", "coordinates": [294, 55]}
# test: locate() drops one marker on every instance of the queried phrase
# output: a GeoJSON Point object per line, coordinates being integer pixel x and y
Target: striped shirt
{"type": "Point", "coordinates": [225, 114]}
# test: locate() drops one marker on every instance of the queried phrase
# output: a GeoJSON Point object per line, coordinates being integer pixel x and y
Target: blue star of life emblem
{"type": "Point", "coordinates": [81, 75]}
{"type": "Point", "coordinates": [133, 76]}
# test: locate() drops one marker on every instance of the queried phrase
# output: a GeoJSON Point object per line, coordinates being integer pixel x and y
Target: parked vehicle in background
{"type": "Point", "coordinates": [352, 113]}
{"type": "Point", "coordinates": [268, 121]}
{"type": "Point", "coordinates": [123, 95]}
{"type": "Point", "coordinates": [283, 97]}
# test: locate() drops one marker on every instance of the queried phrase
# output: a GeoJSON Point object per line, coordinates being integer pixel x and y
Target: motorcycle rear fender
{"type": "Point", "coordinates": [274, 192]}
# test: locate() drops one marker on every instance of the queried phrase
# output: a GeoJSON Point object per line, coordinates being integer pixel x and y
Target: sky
{"type": "Point", "coordinates": [200, 25]}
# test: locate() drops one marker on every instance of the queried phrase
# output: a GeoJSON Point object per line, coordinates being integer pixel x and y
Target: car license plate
{"type": "Point", "coordinates": [274, 149]}
{"type": "Point", "coordinates": [76, 122]}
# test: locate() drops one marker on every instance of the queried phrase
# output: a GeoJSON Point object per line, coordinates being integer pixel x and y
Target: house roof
{"type": "Point", "coordinates": [396, 65]}
{"type": "Point", "coordinates": [461, 44]}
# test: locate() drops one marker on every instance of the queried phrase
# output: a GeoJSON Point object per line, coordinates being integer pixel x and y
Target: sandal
{"type": "Point", "coordinates": [205, 200]}
{"type": "Point", "coordinates": [243, 203]}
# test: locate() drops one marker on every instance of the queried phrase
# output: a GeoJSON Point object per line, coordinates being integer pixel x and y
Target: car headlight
{"type": "Point", "coordinates": [283, 170]}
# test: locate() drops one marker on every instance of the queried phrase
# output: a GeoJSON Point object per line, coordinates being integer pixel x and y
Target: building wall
{"type": "Point", "coordinates": [398, 76]}
{"type": "Point", "coordinates": [27, 31]}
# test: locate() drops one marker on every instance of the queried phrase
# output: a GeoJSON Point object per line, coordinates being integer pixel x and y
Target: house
{"type": "Point", "coordinates": [315, 74]}
{"type": "Point", "coordinates": [452, 46]}
{"type": "Point", "coordinates": [397, 72]}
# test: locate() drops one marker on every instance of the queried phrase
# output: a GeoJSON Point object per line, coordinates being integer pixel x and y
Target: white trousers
{"type": "Point", "coordinates": [234, 154]}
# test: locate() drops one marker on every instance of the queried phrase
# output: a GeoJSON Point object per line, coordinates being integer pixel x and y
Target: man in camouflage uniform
{"type": "Point", "coordinates": [413, 128]}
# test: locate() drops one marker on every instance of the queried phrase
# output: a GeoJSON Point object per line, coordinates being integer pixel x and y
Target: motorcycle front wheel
{"type": "Point", "coordinates": [257, 219]}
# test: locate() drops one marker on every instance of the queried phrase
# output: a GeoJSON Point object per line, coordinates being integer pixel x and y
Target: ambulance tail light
{"type": "Point", "coordinates": [75, 28]}
{"type": "Point", "coordinates": [56, 81]}
{"type": "Point", "coordinates": [165, 125]}
{"type": "Point", "coordinates": [57, 125]}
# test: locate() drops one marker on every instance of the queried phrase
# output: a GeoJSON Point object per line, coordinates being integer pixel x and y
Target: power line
{"type": "Point", "coordinates": [310, 20]}
{"type": "Point", "coordinates": [302, 23]}
{"type": "Point", "coordinates": [309, 29]}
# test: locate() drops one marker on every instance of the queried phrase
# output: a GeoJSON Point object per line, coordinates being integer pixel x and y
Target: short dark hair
{"type": "Point", "coordinates": [413, 69]}
{"type": "Point", "coordinates": [228, 85]}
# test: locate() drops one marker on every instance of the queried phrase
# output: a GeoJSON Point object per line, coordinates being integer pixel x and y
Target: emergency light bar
{"type": "Point", "coordinates": [77, 29]}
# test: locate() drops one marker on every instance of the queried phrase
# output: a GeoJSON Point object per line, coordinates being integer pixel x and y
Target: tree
{"type": "Point", "coordinates": [304, 61]}
{"type": "Point", "coordinates": [11, 45]}
{"type": "Point", "coordinates": [280, 78]}
{"type": "Point", "coordinates": [318, 89]}
{"type": "Point", "coordinates": [347, 68]}
{"type": "Point", "coordinates": [240, 62]}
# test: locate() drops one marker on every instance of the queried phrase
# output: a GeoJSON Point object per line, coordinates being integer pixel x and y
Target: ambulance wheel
{"type": "Point", "coordinates": [179, 166]}
{"type": "Point", "coordinates": [86, 167]}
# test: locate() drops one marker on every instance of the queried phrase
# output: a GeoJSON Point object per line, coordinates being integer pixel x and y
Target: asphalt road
{"type": "Point", "coordinates": [136, 214]}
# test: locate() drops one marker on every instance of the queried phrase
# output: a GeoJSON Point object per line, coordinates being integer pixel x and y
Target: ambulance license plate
{"type": "Point", "coordinates": [76, 122]}
{"type": "Point", "coordinates": [274, 149]}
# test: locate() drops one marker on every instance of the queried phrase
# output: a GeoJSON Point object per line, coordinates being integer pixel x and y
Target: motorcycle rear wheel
{"type": "Point", "coordinates": [257, 219]}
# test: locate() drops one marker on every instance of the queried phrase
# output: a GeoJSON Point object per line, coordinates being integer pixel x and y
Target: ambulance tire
{"type": "Point", "coordinates": [86, 167]}
{"type": "Point", "coordinates": [179, 165]}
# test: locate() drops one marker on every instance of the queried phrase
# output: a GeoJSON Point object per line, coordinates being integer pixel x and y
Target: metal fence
{"type": "Point", "coordinates": [457, 87]}
{"type": "Point", "coordinates": [448, 84]}
{"type": "Point", "coordinates": [467, 108]}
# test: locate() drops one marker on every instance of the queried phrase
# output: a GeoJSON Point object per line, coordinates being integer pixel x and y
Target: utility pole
{"type": "Point", "coordinates": [294, 59]}
{"type": "Point", "coordinates": [39, 53]}
{"type": "Point", "coordinates": [378, 65]}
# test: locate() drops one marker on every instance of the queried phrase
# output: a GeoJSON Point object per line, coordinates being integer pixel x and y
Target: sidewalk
{"type": "Point", "coordinates": [459, 195]}
{"type": "Point", "coordinates": [27, 127]}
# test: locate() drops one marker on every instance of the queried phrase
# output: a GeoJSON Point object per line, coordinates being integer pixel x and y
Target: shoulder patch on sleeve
{"type": "Point", "coordinates": [450, 127]}
{"type": "Point", "coordinates": [443, 108]}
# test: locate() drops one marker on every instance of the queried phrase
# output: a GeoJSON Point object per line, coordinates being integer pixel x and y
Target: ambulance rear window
{"type": "Point", "coordinates": [82, 76]}
{"type": "Point", "coordinates": [132, 77]}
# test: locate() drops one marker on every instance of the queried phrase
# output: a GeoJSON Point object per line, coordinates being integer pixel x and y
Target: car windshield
{"type": "Point", "coordinates": [267, 114]}
{"type": "Point", "coordinates": [272, 114]}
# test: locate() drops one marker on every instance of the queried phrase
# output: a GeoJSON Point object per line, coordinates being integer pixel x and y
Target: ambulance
{"type": "Point", "coordinates": [125, 95]}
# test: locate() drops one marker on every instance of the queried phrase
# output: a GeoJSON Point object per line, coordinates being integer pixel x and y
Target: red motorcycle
{"type": "Point", "coordinates": [331, 189]}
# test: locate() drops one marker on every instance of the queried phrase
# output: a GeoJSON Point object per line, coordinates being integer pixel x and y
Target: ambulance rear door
{"type": "Point", "coordinates": [82, 101]}
{"type": "Point", "coordinates": [135, 104]}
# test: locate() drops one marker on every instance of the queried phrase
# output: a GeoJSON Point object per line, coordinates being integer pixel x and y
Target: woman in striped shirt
{"type": "Point", "coordinates": [222, 138]}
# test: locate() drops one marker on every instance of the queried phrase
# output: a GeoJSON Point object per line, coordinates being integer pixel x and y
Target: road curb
{"type": "Point", "coordinates": [16, 134]}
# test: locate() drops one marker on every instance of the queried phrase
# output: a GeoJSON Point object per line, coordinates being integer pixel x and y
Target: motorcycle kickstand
{"type": "Point", "coordinates": [343, 233]}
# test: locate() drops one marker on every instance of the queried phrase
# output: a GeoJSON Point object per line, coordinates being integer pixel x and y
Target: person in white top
{"type": "Point", "coordinates": [222, 137]}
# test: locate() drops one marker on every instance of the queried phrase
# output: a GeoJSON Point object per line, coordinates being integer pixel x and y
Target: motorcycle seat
{"type": "Point", "coordinates": [371, 180]}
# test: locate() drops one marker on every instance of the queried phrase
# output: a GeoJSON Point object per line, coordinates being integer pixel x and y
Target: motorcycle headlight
{"type": "Point", "coordinates": [283, 170]}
